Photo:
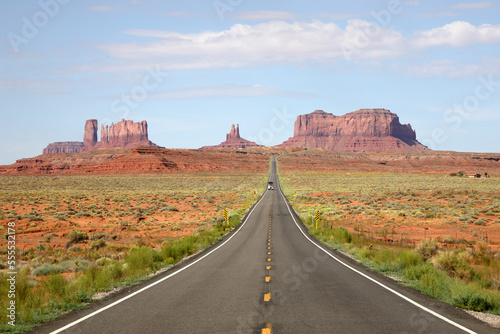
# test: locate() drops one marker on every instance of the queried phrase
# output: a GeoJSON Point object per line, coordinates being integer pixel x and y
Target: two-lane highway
{"type": "Point", "coordinates": [269, 277]}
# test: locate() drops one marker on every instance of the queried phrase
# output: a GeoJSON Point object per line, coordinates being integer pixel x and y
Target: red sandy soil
{"type": "Point", "coordinates": [143, 160]}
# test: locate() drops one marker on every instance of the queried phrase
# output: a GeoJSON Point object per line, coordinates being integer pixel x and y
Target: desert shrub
{"type": "Point", "coordinates": [99, 235]}
{"type": "Point", "coordinates": [98, 244]}
{"type": "Point", "coordinates": [175, 228]}
{"type": "Point", "coordinates": [176, 250]}
{"type": "Point", "coordinates": [103, 261]}
{"type": "Point", "coordinates": [365, 253]}
{"type": "Point", "coordinates": [139, 260]}
{"type": "Point", "coordinates": [55, 284]}
{"type": "Point", "coordinates": [408, 259]}
{"type": "Point", "coordinates": [427, 248]}
{"type": "Point", "coordinates": [455, 264]}
{"type": "Point", "coordinates": [77, 236]}
{"type": "Point", "coordinates": [169, 208]}
{"type": "Point", "coordinates": [75, 248]}
{"type": "Point", "coordinates": [473, 298]}
{"type": "Point", "coordinates": [342, 235]}
{"type": "Point", "coordinates": [48, 269]}
{"type": "Point", "coordinates": [480, 222]}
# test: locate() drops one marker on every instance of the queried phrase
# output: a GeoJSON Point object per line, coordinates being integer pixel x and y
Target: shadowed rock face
{"type": "Point", "coordinates": [362, 130]}
{"type": "Point", "coordinates": [124, 134]}
{"type": "Point", "coordinates": [233, 140]}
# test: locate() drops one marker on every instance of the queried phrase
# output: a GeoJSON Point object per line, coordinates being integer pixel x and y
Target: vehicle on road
{"type": "Point", "coordinates": [270, 186]}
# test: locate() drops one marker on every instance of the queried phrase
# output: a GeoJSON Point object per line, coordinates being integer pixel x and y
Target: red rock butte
{"type": "Point", "coordinates": [124, 134]}
{"type": "Point", "coordinates": [233, 140]}
{"type": "Point", "coordinates": [365, 130]}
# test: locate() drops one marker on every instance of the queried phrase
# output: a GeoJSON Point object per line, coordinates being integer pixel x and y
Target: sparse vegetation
{"type": "Point", "coordinates": [433, 232]}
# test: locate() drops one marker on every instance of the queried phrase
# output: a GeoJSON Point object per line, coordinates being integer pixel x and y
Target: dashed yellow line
{"type": "Point", "coordinates": [269, 260]}
{"type": "Point", "coordinates": [268, 329]}
{"type": "Point", "coordinates": [268, 253]}
{"type": "Point", "coordinates": [267, 297]}
{"type": "Point", "coordinates": [268, 267]}
{"type": "Point", "coordinates": [268, 279]}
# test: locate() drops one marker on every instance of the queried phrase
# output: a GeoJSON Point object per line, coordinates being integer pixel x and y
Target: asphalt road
{"type": "Point", "coordinates": [269, 277]}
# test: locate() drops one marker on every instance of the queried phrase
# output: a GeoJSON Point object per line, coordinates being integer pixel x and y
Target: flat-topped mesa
{"type": "Point", "coordinates": [233, 140]}
{"type": "Point", "coordinates": [124, 134]}
{"type": "Point", "coordinates": [361, 130]}
{"type": "Point", "coordinates": [63, 147]}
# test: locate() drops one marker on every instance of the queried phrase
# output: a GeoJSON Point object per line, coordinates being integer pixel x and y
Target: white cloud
{"type": "Point", "coordinates": [101, 8]}
{"type": "Point", "coordinates": [473, 5]}
{"type": "Point", "coordinates": [266, 15]}
{"type": "Point", "coordinates": [273, 42]}
{"type": "Point", "coordinates": [457, 34]}
{"type": "Point", "coordinates": [297, 43]}
{"type": "Point", "coordinates": [227, 91]}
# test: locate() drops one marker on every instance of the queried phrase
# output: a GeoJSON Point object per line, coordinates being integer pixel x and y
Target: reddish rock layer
{"type": "Point", "coordinates": [233, 140]}
{"type": "Point", "coordinates": [63, 147]}
{"type": "Point", "coordinates": [360, 131]}
{"type": "Point", "coordinates": [124, 134]}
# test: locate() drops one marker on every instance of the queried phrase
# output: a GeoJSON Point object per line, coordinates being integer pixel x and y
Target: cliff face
{"type": "Point", "coordinates": [362, 130]}
{"type": "Point", "coordinates": [124, 134]}
{"type": "Point", "coordinates": [63, 147]}
{"type": "Point", "coordinates": [233, 140]}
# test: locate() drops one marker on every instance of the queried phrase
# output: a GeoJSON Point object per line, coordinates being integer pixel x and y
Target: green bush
{"type": "Point", "coordinates": [408, 259]}
{"type": "Point", "coordinates": [427, 248]}
{"type": "Point", "coordinates": [455, 264]}
{"type": "Point", "coordinates": [48, 269]}
{"type": "Point", "coordinates": [55, 284]}
{"type": "Point", "coordinates": [473, 298]}
{"type": "Point", "coordinates": [77, 236]}
{"type": "Point", "coordinates": [139, 260]}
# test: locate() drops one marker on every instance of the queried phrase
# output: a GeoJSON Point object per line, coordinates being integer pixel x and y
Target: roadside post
{"type": "Point", "coordinates": [226, 216]}
{"type": "Point", "coordinates": [317, 218]}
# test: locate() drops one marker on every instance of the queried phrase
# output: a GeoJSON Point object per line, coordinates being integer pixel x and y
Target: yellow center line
{"type": "Point", "coordinates": [269, 260]}
{"type": "Point", "coordinates": [268, 267]}
{"type": "Point", "coordinates": [268, 279]}
{"type": "Point", "coordinates": [268, 253]}
{"type": "Point", "coordinates": [267, 297]}
{"type": "Point", "coordinates": [268, 329]}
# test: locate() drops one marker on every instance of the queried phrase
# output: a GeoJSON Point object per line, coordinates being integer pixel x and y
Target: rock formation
{"type": "Point", "coordinates": [360, 131]}
{"type": "Point", "coordinates": [124, 134]}
{"type": "Point", "coordinates": [90, 134]}
{"type": "Point", "coordinates": [233, 140]}
{"type": "Point", "coordinates": [64, 147]}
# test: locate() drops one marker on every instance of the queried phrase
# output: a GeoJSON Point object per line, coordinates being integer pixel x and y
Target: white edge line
{"type": "Point", "coordinates": [437, 315]}
{"type": "Point", "coordinates": [160, 280]}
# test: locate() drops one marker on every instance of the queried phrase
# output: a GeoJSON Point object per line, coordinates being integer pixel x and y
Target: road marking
{"type": "Point", "coordinates": [160, 280]}
{"type": "Point", "coordinates": [267, 297]}
{"type": "Point", "coordinates": [409, 300]}
{"type": "Point", "coordinates": [268, 279]}
{"type": "Point", "coordinates": [268, 253]}
{"type": "Point", "coordinates": [269, 247]}
{"type": "Point", "coordinates": [268, 329]}
{"type": "Point", "coordinates": [269, 260]}
{"type": "Point", "coordinates": [268, 267]}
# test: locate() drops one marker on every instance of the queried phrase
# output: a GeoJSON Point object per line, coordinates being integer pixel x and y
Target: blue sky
{"type": "Point", "coordinates": [192, 68]}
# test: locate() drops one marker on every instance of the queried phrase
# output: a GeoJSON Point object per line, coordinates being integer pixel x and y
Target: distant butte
{"type": "Point", "coordinates": [365, 130]}
{"type": "Point", "coordinates": [124, 134]}
{"type": "Point", "coordinates": [233, 140]}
